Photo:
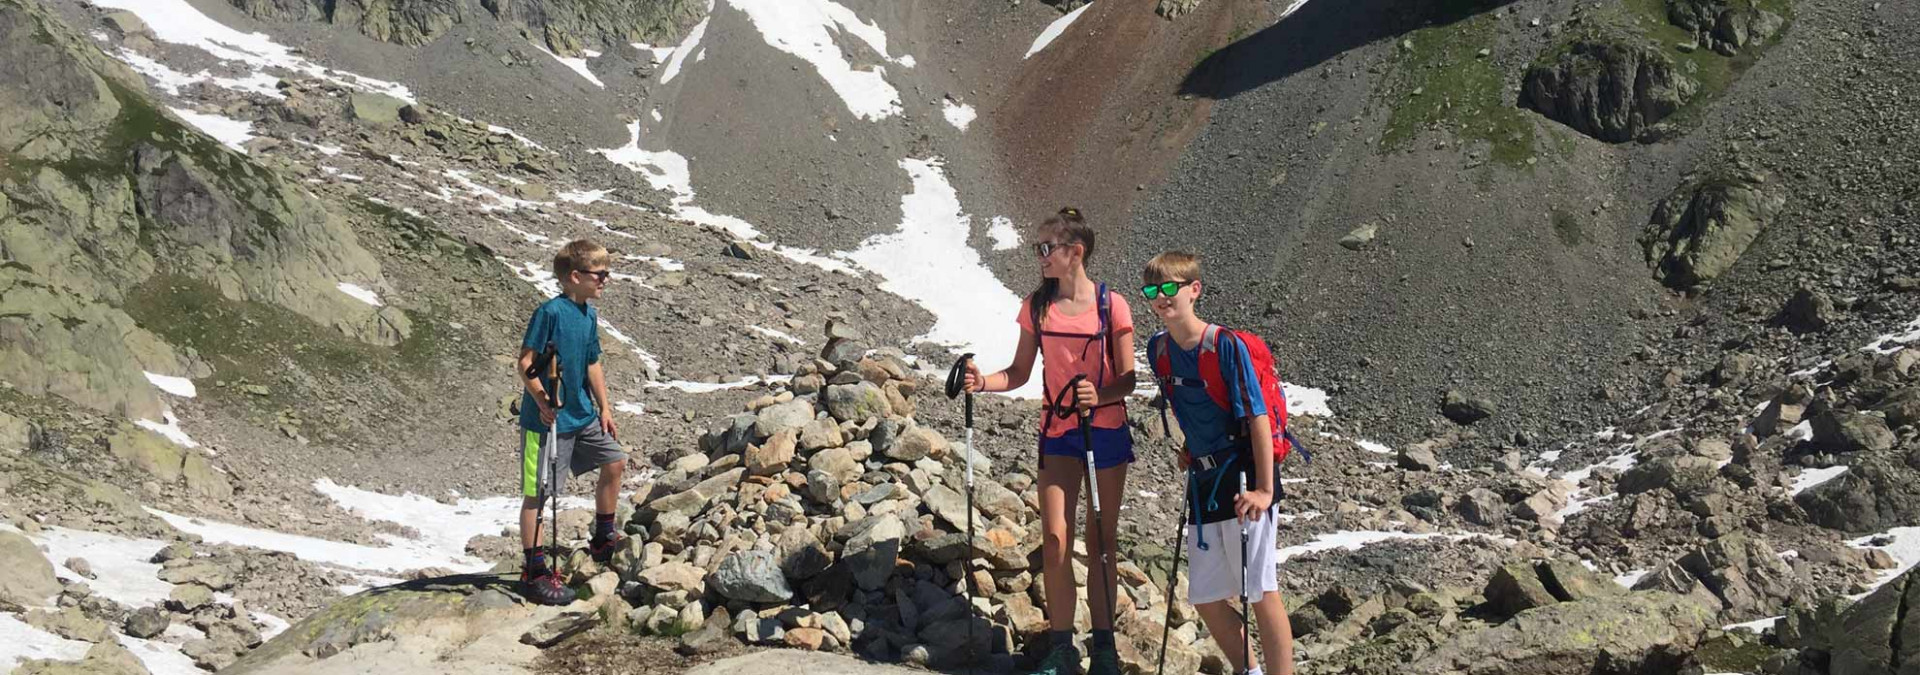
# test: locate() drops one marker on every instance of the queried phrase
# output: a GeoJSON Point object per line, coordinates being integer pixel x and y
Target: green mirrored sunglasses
{"type": "Point", "coordinates": [1168, 288]}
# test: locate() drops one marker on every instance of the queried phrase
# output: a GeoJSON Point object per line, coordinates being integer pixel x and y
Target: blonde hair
{"type": "Point", "coordinates": [1171, 266]}
{"type": "Point", "coordinates": [579, 254]}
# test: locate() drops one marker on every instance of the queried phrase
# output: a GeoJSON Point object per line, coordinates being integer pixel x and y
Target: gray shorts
{"type": "Point", "coordinates": [582, 451]}
{"type": "Point", "coordinates": [1214, 573]}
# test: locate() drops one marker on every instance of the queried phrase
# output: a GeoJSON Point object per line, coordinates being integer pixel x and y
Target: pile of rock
{"type": "Point", "coordinates": [825, 518]}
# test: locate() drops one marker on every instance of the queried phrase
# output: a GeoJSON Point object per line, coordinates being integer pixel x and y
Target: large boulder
{"type": "Point", "coordinates": [1613, 89]}
{"type": "Point", "coordinates": [1742, 573]}
{"type": "Point", "coordinates": [1702, 228]}
{"type": "Point", "coordinates": [466, 623]}
{"type": "Point", "coordinates": [873, 549]}
{"type": "Point", "coordinates": [1850, 431]}
{"type": "Point", "coordinates": [105, 658]}
{"type": "Point", "coordinates": [29, 580]}
{"type": "Point", "coordinates": [1633, 633]}
{"type": "Point", "coordinates": [1876, 635]}
{"type": "Point", "coordinates": [1682, 475]}
{"type": "Point", "coordinates": [1872, 496]}
{"type": "Point", "coordinates": [751, 576]}
{"type": "Point", "coordinates": [857, 402]}
{"type": "Point", "coordinates": [773, 419]}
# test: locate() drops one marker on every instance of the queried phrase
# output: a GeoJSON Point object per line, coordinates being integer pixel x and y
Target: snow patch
{"type": "Point", "coordinates": [230, 132]}
{"type": "Point", "coordinates": [667, 171]}
{"type": "Point", "coordinates": [120, 568]}
{"type": "Point", "coordinates": [1756, 626]}
{"type": "Point", "coordinates": [775, 334]}
{"type": "Point", "coordinates": [178, 22]}
{"type": "Point", "coordinates": [1291, 8]}
{"type": "Point", "coordinates": [630, 408]}
{"type": "Point", "coordinates": [177, 386]}
{"type": "Point", "coordinates": [162, 658]}
{"type": "Point", "coordinates": [1629, 579]}
{"type": "Point", "coordinates": [658, 53]}
{"type": "Point", "coordinates": [1897, 340]}
{"type": "Point", "coordinates": [1811, 478]}
{"type": "Point", "coordinates": [1351, 540]}
{"type": "Point", "coordinates": [680, 53]}
{"type": "Point", "coordinates": [928, 262]}
{"type": "Point", "coordinates": [1053, 30]}
{"type": "Point", "coordinates": [578, 65]}
{"type": "Point", "coordinates": [1002, 233]}
{"type": "Point", "coordinates": [1301, 400]}
{"type": "Point", "coordinates": [710, 387]}
{"type": "Point", "coordinates": [583, 196]}
{"type": "Point", "coordinates": [665, 264]}
{"type": "Point", "coordinates": [170, 429]}
{"type": "Point", "coordinates": [170, 80]}
{"type": "Point", "coordinates": [360, 294]}
{"type": "Point", "coordinates": [958, 114]}
{"type": "Point", "coordinates": [1373, 447]}
{"type": "Point", "coordinates": [21, 642]}
{"type": "Point", "coordinates": [807, 28]}
{"type": "Point", "coordinates": [1904, 547]}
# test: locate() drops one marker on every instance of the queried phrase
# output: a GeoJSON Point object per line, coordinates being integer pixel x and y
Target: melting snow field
{"type": "Point", "coordinates": [19, 642]}
{"type": "Point", "coordinates": [808, 29]}
{"type": "Point", "coordinates": [441, 543]}
{"type": "Point", "coordinates": [928, 262]}
{"type": "Point", "coordinates": [1053, 30]}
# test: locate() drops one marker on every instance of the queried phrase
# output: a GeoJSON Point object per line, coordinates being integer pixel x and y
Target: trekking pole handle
{"type": "Point", "coordinates": [1243, 490]}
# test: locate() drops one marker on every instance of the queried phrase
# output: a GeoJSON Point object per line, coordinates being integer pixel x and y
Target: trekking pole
{"type": "Point", "coordinates": [1093, 497]}
{"type": "Point", "coordinates": [956, 383]}
{"type": "Point", "coordinates": [553, 458]}
{"type": "Point", "coordinates": [1246, 601]}
{"type": "Point", "coordinates": [1173, 578]}
{"type": "Point", "coordinates": [548, 361]}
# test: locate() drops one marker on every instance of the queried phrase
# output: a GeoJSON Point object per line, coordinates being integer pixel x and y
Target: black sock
{"type": "Point", "coordinates": [1060, 638]}
{"type": "Point", "coordinates": [1103, 638]}
{"type": "Point", "coordinates": [536, 561]}
{"type": "Point", "coordinates": [602, 526]}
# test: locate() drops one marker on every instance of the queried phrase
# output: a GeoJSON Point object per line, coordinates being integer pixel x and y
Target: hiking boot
{"type": "Point", "coordinates": [602, 549]}
{"type": "Point", "coordinates": [546, 589]}
{"type": "Point", "coordinates": [1105, 661]}
{"type": "Point", "coordinates": [1062, 660]}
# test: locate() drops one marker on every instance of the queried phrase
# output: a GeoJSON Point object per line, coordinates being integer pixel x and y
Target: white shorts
{"type": "Point", "coordinates": [1214, 573]}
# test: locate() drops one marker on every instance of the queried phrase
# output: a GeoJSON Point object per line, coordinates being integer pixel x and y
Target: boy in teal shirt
{"type": "Point", "coordinates": [566, 328]}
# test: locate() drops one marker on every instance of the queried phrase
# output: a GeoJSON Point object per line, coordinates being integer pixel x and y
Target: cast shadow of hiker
{"type": "Point", "coordinates": [1315, 33]}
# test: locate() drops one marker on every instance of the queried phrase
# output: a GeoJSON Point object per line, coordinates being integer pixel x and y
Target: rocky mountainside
{"type": "Point", "coordinates": [568, 27]}
{"type": "Point", "coordinates": [1610, 307]}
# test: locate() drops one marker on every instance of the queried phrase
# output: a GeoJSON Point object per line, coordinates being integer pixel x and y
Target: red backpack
{"type": "Point", "coordinates": [1215, 382]}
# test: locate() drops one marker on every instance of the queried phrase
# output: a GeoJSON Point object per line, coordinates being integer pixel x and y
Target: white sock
{"type": "Point", "coordinates": [1255, 671]}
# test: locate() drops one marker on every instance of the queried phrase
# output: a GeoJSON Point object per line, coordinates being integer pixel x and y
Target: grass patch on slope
{"type": "Point", "coordinates": [1446, 85]}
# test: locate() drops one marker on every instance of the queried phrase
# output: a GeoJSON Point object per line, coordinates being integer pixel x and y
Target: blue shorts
{"type": "Point", "coordinates": [1111, 447]}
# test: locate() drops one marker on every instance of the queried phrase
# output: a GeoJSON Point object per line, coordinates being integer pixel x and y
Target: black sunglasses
{"type": "Point", "coordinates": [1046, 248]}
{"type": "Point", "coordinates": [1167, 288]}
{"type": "Point", "coordinates": [600, 275]}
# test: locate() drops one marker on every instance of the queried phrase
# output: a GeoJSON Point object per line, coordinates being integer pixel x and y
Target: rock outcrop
{"type": "Point", "coordinates": [104, 193]}
{"type": "Point", "coordinates": [567, 27]}
{"type": "Point", "coordinates": [1613, 89]}
{"type": "Point", "coordinates": [1699, 231]}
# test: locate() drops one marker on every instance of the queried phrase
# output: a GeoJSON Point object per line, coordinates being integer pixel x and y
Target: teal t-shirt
{"type": "Point", "coordinates": [573, 330]}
